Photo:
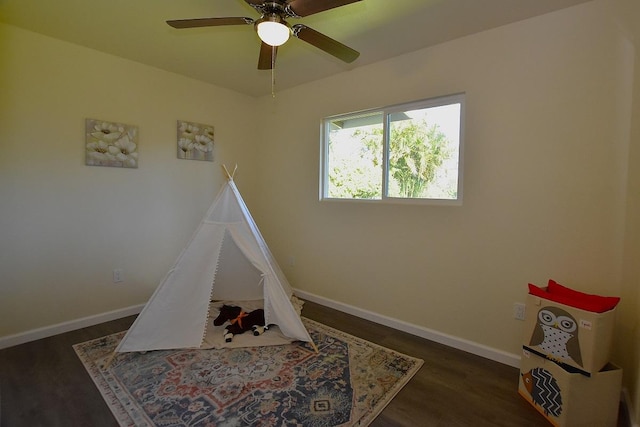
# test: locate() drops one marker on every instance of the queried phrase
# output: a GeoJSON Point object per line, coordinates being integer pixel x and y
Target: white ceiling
{"type": "Point", "coordinates": [227, 56]}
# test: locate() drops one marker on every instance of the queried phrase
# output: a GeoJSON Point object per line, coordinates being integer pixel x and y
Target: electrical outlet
{"type": "Point", "coordinates": [518, 310]}
{"type": "Point", "coordinates": [291, 261]}
{"type": "Point", "coordinates": [118, 276]}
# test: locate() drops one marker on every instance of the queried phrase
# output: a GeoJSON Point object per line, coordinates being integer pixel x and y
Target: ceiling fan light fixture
{"type": "Point", "coordinates": [273, 30]}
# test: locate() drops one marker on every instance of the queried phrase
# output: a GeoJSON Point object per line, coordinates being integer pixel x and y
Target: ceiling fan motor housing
{"type": "Point", "coordinates": [277, 7]}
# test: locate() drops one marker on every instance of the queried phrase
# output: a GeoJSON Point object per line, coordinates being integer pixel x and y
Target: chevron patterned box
{"type": "Point", "coordinates": [571, 336]}
{"type": "Point", "coordinates": [570, 399]}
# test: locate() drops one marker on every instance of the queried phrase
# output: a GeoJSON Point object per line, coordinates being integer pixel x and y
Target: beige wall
{"type": "Point", "coordinates": [543, 191]}
{"type": "Point", "coordinates": [65, 226]}
{"type": "Point", "coordinates": [629, 320]}
{"type": "Point", "coordinates": [627, 15]}
{"type": "Point", "coordinates": [545, 181]}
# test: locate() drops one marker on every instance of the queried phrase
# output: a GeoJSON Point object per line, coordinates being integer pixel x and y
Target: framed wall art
{"type": "Point", "coordinates": [195, 141]}
{"type": "Point", "coordinates": [111, 144]}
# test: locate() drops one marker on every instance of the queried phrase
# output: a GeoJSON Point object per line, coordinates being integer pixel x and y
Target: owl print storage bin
{"type": "Point", "coordinates": [568, 399]}
{"type": "Point", "coordinates": [569, 327]}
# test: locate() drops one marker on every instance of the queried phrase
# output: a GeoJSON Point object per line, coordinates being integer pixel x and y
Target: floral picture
{"type": "Point", "coordinates": [111, 144]}
{"type": "Point", "coordinates": [195, 141]}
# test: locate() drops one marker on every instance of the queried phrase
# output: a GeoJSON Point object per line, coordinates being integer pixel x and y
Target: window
{"type": "Point", "coordinates": [408, 152]}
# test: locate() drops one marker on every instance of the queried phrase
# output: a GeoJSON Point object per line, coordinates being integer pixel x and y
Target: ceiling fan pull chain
{"type": "Point", "coordinates": [273, 72]}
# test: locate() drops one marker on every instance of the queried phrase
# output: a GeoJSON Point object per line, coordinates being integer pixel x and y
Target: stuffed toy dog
{"type": "Point", "coordinates": [240, 321]}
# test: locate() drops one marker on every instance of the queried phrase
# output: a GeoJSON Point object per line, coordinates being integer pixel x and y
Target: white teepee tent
{"type": "Point", "coordinates": [226, 259]}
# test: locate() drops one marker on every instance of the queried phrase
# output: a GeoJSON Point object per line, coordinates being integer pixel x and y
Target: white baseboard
{"type": "Point", "coordinates": [430, 334]}
{"type": "Point", "coordinates": [72, 325]}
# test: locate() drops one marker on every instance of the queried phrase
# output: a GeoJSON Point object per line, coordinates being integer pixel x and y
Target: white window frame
{"type": "Point", "coordinates": [458, 98]}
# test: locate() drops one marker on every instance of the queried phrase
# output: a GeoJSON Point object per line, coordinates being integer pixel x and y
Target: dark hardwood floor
{"type": "Point", "coordinates": [43, 383]}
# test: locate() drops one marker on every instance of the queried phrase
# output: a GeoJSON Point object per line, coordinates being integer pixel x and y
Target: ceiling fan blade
{"type": "Point", "coordinates": [329, 45]}
{"type": "Point", "coordinates": [309, 7]}
{"type": "Point", "coordinates": [267, 56]}
{"type": "Point", "coordinates": [208, 22]}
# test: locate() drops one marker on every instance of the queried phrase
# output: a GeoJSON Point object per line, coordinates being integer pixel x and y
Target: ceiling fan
{"type": "Point", "coordinates": [273, 29]}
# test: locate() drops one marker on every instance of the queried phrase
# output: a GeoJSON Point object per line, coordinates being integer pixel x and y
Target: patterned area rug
{"type": "Point", "coordinates": [347, 383]}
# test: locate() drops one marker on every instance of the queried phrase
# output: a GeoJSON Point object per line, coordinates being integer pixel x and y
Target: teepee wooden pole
{"type": "Point", "coordinates": [110, 360]}
{"type": "Point", "coordinates": [230, 175]}
{"type": "Point", "coordinates": [226, 171]}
